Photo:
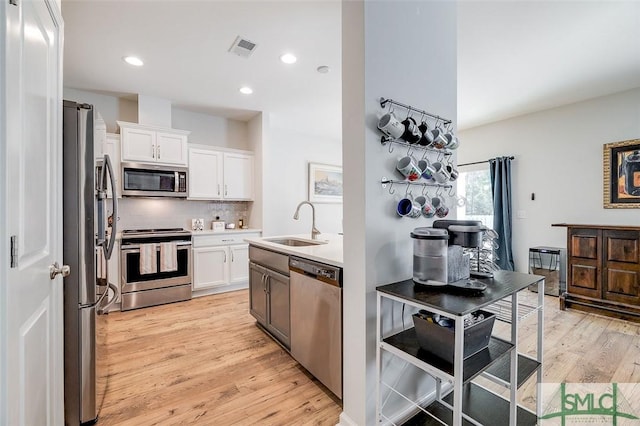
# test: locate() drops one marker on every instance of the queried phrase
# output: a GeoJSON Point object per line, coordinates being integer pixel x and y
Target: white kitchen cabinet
{"type": "Point", "coordinates": [238, 269]}
{"type": "Point", "coordinates": [238, 176]}
{"type": "Point", "coordinates": [150, 144]}
{"type": "Point", "coordinates": [109, 144]}
{"type": "Point", "coordinates": [220, 261]}
{"type": "Point", "coordinates": [210, 267]}
{"type": "Point", "coordinates": [111, 147]}
{"type": "Point", "coordinates": [205, 174]}
{"type": "Point", "coordinates": [220, 175]}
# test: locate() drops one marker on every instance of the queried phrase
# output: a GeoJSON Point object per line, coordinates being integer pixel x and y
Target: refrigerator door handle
{"type": "Point", "coordinates": [107, 167]}
{"type": "Point", "coordinates": [116, 292]}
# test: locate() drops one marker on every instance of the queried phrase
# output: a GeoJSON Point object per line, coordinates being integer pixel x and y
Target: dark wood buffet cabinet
{"type": "Point", "coordinates": [603, 270]}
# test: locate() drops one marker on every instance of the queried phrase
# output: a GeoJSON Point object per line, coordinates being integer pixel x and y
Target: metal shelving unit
{"type": "Point", "coordinates": [459, 400]}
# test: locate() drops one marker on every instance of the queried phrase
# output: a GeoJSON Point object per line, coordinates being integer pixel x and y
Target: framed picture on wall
{"type": "Point", "coordinates": [621, 162]}
{"type": "Point", "coordinates": [325, 183]}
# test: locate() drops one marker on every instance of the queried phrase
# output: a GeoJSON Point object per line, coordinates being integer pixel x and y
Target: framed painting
{"type": "Point", "coordinates": [325, 183]}
{"type": "Point", "coordinates": [621, 166]}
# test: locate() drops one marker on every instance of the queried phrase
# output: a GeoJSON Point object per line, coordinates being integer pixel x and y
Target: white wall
{"type": "Point", "coordinates": [211, 130]}
{"type": "Point", "coordinates": [558, 156]}
{"type": "Point", "coordinates": [399, 64]}
{"type": "Point", "coordinates": [111, 108]}
{"type": "Point", "coordinates": [286, 155]}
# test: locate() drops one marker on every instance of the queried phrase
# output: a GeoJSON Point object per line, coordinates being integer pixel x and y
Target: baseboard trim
{"type": "Point", "coordinates": [345, 420]}
{"type": "Point", "coordinates": [221, 289]}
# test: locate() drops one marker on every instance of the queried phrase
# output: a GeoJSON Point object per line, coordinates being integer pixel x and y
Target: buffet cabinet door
{"type": "Point", "coordinates": [621, 271]}
{"type": "Point", "coordinates": [585, 251]}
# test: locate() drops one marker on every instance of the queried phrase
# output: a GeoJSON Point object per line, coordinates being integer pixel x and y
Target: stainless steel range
{"type": "Point", "coordinates": [156, 267]}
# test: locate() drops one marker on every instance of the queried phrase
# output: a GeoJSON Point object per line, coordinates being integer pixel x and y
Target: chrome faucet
{"type": "Point", "coordinates": [314, 230]}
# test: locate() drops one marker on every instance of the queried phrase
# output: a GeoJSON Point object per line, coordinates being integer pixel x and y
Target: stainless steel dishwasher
{"type": "Point", "coordinates": [316, 320]}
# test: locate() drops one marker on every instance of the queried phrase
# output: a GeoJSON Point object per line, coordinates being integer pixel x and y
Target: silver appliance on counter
{"type": "Point", "coordinates": [86, 249]}
{"type": "Point", "coordinates": [316, 320]}
{"type": "Point", "coordinates": [140, 289]}
{"type": "Point", "coordinates": [148, 180]}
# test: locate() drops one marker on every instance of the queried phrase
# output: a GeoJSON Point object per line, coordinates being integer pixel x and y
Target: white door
{"type": "Point", "coordinates": [138, 145]}
{"type": "Point", "coordinates": [210, 267]}
{"type": "Point", "coordinates": [238, 176]}
{"type": "Point", "coordinates": [239, 266]}
{"type": "Point", "coordinates": [171, 148]}
{"type": "Point", "coordinates": [205, 174]}
{"type": "Point", "coordinates": [111, 147]}
{"type": "Point", "coordinates": [31, 159]}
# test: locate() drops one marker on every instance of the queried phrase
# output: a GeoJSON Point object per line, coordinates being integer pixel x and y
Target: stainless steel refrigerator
{"type": "Point", "coordinates": [87, 246]}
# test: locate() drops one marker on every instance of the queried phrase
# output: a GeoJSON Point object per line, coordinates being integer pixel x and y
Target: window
{"type": "Point", "coordinates": [475, 187]}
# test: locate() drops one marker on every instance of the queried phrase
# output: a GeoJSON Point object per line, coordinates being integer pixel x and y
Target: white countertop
{"type": "Point", "coordinates": [329, 253]}
{"type": "Point", "coordinates": [225, 232]}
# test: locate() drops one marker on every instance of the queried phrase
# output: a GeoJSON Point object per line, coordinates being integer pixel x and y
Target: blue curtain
{"type": "Point", "coordinates": [500, 168]}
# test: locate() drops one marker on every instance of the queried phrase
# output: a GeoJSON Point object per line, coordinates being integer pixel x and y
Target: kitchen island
{"type": "Point", "coordinates": [295, 295]}
{"type": "Point", "coordinates": [329, 249]}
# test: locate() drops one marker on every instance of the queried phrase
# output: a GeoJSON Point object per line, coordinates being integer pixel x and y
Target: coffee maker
{"type": "Point", "coordinates": [439, 257]}
{"type": "Point", "coordinates": [467, 234]}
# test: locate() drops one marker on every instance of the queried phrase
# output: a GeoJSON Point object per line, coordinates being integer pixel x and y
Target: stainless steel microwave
{"type": "Point", "coordinates": [148, 180]}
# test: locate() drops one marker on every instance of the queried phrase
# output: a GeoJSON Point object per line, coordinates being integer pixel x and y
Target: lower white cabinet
{"type": "Point", "coordinates": [221, 261]}
{"type": "Point", "coordinates": [210, 267]}
{"type": "Point", "coordinates": [239, 266]}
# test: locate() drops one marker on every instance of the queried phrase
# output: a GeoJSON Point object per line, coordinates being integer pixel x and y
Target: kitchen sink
{"type": "Point", "coordinates": [294, 242]}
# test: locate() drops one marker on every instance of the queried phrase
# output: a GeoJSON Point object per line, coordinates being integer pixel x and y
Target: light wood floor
{"type": "Point", "coordinates": [205, 362]}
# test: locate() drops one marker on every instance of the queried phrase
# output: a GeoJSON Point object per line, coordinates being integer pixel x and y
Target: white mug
{"type": "Point", "coordinates": [441, 208]}
{"type": "Point", "coordinates": [452, 141]}
{"type": "Point", "coordinates": [408, 167]}
{"type": "Point", "coordinates": [391, 126]}
{"type": "Point", "coordinates": [439, 141]}
{"type": "Point", "coordinates": [426, 208]}
{"type": "Point", "coordinates": [440, 174]}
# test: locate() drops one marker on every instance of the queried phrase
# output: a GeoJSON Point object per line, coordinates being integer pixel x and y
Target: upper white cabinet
{"type": "Point", "coordinates": [149, 144]}
{"type": "Point", "coordinates": [238, 176]}
{"type": "Point", "coordinates": [205, 174]}
{"type": "Point", "coordinates": [220, 175]}
{"type": "Point", "coordinates": [109, 144]}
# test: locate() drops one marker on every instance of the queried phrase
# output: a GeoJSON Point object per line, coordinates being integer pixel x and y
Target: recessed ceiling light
{"type": "Point", "coordinates": [133, 60]}
{"type": "Point", "coordinates": [245, 90]}
{"type": "Point", "coordinates": [288, 58]}
{"type": "Point", "coordinates": [323, 69]}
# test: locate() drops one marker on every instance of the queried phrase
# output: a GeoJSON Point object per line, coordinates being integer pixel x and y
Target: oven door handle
{"type": "Point", "coordinates": [134, 247]}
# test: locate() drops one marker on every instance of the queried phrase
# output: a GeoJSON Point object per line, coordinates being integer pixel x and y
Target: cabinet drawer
{"type": "Point", "coordinates": [222, 239]}
{"type": "Point", "coordinates": [270, 259]}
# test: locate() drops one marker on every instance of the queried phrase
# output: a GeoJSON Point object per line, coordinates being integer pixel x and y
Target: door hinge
{"type": "Point", "coordinates": [13, 2]}
{"type": "Point", "coordinates": [14, 252]}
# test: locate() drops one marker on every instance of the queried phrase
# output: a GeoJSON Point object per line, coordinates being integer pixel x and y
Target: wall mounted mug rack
{"type": "Point", "coordinates": [384, 102]}
{"type": "Point", "coordinates": [387, 140]}
{"type": "Point", "coordinates": [409, 184]}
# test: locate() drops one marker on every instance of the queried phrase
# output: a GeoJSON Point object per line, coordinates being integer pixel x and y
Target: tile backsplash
{"type": "Point", "coordinates": [144, 213]}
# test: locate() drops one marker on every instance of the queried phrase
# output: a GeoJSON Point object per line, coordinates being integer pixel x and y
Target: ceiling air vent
{"type": "Point", "coordinates": [242, 47]}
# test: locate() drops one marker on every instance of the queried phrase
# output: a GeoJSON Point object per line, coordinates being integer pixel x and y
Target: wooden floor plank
{"type": "Point", "coordinates": [205, 362]}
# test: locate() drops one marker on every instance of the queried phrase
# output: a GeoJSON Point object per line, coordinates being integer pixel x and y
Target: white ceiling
{"type": "Point", "coordinates": [514, 57]}
{"type": "Point", "coordinates": [517, 57]}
